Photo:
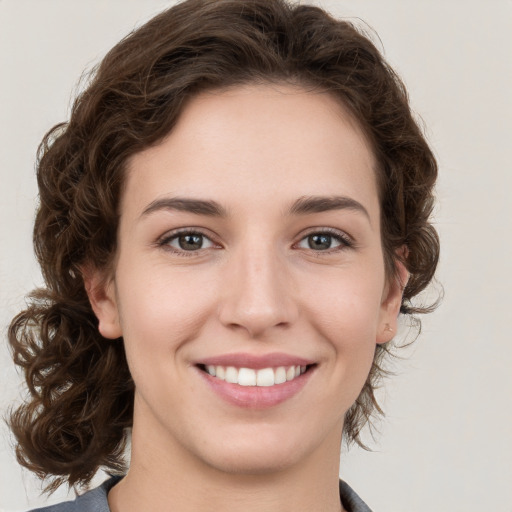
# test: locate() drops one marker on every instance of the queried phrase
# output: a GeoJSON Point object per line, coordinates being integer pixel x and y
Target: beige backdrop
{"type": "Point", "coordinates": [446, 444]}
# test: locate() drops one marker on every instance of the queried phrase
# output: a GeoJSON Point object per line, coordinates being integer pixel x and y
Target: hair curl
{"type": "Point", "coordinates": [80, 388]}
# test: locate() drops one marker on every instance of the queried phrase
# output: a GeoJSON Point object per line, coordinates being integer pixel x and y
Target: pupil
{"type": "Point", "coordinates": [191, 242]}
{"type": "Point", "coordinates": [320, 242]}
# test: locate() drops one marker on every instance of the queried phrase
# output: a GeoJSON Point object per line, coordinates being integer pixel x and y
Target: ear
{"type": "Point", "coordinates": [392, 300]}
{"type": "Point", "coordinates": [102, 296]}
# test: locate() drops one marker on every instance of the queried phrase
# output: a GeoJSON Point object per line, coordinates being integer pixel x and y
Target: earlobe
{"type": "Point", "coordinates": [101, 293]}
{"type": "Point", "coordinates": [390, 306]}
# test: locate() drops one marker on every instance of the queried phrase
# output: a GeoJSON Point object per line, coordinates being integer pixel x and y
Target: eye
{"type": "Point", "coordinates": [188, 241]}
{"type": "Point", "coordinates": [324, 241]}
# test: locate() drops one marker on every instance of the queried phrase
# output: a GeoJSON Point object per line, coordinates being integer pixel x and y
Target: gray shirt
{"type": "Point", "coordinates": [95, 500]}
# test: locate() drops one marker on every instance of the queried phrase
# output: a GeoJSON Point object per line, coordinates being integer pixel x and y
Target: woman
{"type": "Point", "coordinates": [229, 226]}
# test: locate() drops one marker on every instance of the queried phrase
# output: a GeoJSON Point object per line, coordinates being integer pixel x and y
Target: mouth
{"type": "Point", "coordinates": [256, 377]}
{"type": "Point", "coordinates": [256, 381]}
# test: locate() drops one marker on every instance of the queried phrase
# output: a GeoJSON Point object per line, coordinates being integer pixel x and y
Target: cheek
{"type": "Point", "coordinates": [347, 320]}
{"type": "Point", "coordinates": [346, 305]}
{"type": "Point", "coordinates": [160, 309]}
{"type": "Point", "coordinates": [344, 311]}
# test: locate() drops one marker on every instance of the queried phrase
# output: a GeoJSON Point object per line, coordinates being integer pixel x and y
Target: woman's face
{"type": "Point", "coordinates": [249, 248]}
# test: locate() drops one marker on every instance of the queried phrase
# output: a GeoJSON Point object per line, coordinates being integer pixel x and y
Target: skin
{"type": "Point", "coordinates": [256, 286]}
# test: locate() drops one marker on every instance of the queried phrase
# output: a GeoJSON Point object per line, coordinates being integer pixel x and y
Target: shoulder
{"type": "Point", "coordinates": [94, 500]}
{"type": "Point", "coordinates": [350, 499]}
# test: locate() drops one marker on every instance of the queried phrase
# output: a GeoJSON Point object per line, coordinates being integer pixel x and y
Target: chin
{"type": "Point", "coordinates": [256, 455]}
{"type": "Point", "coordinates": [253, 463]}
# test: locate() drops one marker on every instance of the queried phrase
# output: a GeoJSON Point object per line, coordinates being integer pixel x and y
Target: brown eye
{"type": "Point", "coordinates": [319, 242]}
{"type": "Point", "coordinates": [325, 241]}
{"type": "Point", "coordinates": [190, 241]}
{"type": "Point", "coordinates": [187, 241]}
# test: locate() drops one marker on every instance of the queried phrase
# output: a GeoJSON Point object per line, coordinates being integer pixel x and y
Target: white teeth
{"type": "Point", "coordinates": [231, 375]}
{"type": "Point", "coordinates": [265, 377]}
{"type": "Point", "coordinates": [246, 377]}
{"type": "Point", "coordinates": [280, 375]}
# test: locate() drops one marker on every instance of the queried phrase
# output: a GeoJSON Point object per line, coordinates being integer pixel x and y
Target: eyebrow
{"type": "Point", "coordinates": [302, 206]}
{"type": "Point", "coordinates": [318, 204]}
{"type": "Point", "coordinates": [197, 206]}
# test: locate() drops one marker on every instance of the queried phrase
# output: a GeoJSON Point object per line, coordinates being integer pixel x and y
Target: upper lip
{"type": "Point", "coordinates": [246, 360]}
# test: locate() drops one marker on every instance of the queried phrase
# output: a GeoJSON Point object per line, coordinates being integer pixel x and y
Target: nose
{"type": "Point", "coordinates": [259, 292]}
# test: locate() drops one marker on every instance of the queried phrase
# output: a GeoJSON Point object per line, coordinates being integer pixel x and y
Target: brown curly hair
{"type": "Point", "coordinates": [80, 389]}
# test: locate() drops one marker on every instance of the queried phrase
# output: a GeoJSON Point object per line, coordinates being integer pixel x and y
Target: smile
{"type": "Point", "coordinates": [256, 381]}
{"type": "Point", "coordinates": [263, 377]}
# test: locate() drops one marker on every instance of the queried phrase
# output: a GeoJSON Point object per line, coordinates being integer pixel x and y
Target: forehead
{"type": "Point", "coordinates": [258, 141]}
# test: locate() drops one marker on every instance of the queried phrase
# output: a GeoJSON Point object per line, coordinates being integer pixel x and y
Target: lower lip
{"type": "Point", "coordinates": [256, 397]}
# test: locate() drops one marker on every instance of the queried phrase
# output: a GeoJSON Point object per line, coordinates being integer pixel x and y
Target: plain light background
{"type": "Point", "coordinates": [446, 444]}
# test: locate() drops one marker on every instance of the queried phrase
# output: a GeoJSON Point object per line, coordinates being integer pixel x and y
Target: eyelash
{"type": "Point", "coordinates": [165, 241]}
{"type": "Point", "coordinates": [345, 241]}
